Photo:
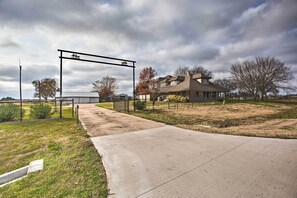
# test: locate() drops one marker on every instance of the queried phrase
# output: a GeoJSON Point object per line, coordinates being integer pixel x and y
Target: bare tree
{"type": "Point", "coordinates": [105, 87]}
{"type": "Point", "coordinates": [181, 71]}
{"type": "Point", "coordinates": [261, 76]}
{"type": "Point", "coordinates": [45, 88]}
{"type": "Point", "coordinates": [200, 69]}
{"type": "Point", "coordinates": [228, 84]}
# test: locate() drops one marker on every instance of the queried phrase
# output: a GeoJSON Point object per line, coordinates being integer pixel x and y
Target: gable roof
{"type": "Point", "coordinates": [191, 84]}
{"type": "Point", "coordinates": [199, 75]}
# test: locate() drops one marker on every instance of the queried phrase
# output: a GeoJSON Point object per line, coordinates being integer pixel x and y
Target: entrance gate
{"type": "Point", "coordinates": [93, 58]}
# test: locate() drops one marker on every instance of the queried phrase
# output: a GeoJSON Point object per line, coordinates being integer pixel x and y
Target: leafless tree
{"type": "Point", "coordinates": [261, 76]}
{"type": "Point", "coordinates": [181, 71]}
{"type": "Point", "coordinates": [228, 84]}
{"type": "Point", "coordinates": [105, 87]}
{"type": "Point", "coordinates": [200, 69]}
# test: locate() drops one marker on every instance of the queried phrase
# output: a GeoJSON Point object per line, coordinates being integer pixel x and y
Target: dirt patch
{"type": "Point", "coordinates": [228, 111]}
{"type": "Point", "coordinates": [263, 119]}
{"type": "Point", "coordinates": [282, 128]}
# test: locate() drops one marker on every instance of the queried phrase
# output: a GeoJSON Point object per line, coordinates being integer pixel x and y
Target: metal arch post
{"type": "Point", "coordinates": [61, 84]}
{"type": "Point", "coordinates": [134, 94]}
{"type": "Point", "coordinates": [21, 99]}
{"type": "Point", "coordinates": [75, 57]}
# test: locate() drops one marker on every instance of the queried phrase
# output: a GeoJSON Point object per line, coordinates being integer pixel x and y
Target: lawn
{"type": "Point", "coordinates": [276, 119]}
{"type": "Point", "coordinates": [54, 110]}
{"type": "Point", "coordinates": [72, 166]}
{"type": "Point", "coordinates": [106, 105]}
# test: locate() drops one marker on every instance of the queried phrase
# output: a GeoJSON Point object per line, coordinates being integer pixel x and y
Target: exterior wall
{"type": "Point", "coordinates": [193, 96]}
{"type": "Point", "coordinates": [203, 80]}
{"type": "Point", "coordinates": [81, 100]}
{"type": "Point", "coordinates": [204, 96]}
{"type": "Point", "coordinates": [144, 97]}
{"type": "Point", "coordinates": [94, 100]}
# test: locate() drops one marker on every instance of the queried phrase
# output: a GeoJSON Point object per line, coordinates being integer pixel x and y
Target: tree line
{"type": "Point", "coordinates": [252, 78]}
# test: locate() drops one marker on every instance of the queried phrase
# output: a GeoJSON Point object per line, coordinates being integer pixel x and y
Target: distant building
{"type": "Point", "coordinates": [121, 96]}
{"type": "Point", "coordinates": [195, 87]}
{"type": "Point", "coordinates": [79, 97]}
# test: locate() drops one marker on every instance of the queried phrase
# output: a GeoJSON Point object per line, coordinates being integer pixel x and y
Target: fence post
{"type": "Point", "coordinates": [77, 114]}
{"type": "Point", "coordinates": [73, 108]}
{"type": "Point", "coordinates": [55, 105]}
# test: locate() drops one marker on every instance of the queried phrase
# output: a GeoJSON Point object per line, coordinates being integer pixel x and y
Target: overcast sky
{"type": "Point", "coordinates": [161, 34]}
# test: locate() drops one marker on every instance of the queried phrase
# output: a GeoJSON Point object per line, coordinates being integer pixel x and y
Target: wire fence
{"type": "Point", "coordinates": [121, 105]}
{"type": "Point", "coordinates": [179, 105]}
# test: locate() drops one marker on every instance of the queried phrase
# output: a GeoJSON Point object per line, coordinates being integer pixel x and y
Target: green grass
{"type": "Point", "coordinates": [72, 166]}
{"type": "Point", "coordinates": [106, 105]}
{"type": "Point", "coordinates": [67, 112]}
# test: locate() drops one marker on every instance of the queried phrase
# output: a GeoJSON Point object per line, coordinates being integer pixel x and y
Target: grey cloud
{"type": "Point", "coordinates": [9, 43]}
{"type": "Point", "coordinates": [161, 34]}
{"type": "Point", "coordinates": [29, 73]}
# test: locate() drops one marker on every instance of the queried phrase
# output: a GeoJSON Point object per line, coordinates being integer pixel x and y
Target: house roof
{"type": "Point", "coordinates": [199, 75]}
{"type": "Point", "coordinates": [191, 84]}
{"type": "Point", "coordinates": [176, 78]}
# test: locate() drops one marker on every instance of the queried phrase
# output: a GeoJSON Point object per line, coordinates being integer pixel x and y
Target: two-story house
{"type": "Point", "coordinates": [195, 87]}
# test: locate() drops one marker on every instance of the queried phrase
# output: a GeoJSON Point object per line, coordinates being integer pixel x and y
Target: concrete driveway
{"type": "Point", "coordinates": [173, 162]}
{"type": "Point", "coordinates": [99, 121]}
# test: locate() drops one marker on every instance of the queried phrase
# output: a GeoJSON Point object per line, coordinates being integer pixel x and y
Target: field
{"type": "Point", "coordinates": [72, 166]}
{"type": "Point", "coordinates": [55, 110]}
{"type": "Point", "coordinates": [263, 119]}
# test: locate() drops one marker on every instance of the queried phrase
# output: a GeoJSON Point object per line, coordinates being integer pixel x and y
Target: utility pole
{"type": "Point", "coordinates": [21, 100]}
{"type": "Point", "coordinates": [39, 91]}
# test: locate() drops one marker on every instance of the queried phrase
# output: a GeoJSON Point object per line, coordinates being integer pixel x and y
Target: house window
{"type": "Point", "coordinates": [206, 95]}
{"type": "Point", "coordinates": [213, 94]}
{"type": "Point", "coordinates": [197, 93]}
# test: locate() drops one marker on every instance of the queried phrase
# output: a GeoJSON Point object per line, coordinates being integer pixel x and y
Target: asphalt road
{"type": "Point", "coordinates": [171, 162]}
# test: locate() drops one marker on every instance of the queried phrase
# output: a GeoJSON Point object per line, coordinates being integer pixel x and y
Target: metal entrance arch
{"type": "Point", "coordinates": [73, 55]}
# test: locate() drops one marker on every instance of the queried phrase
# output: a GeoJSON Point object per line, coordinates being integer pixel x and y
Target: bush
{"type": "Point", "coordinates": [40, 111]}
{"type": "Point", "coordinates": [175, 98]}
{"type": "Point", "coordinates": [139, 105]}
{"type": "Point", "coordinates": [8, 112]}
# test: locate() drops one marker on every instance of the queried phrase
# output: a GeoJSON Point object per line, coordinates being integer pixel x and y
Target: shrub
{"type": "Point", "coordinates": [40, 111]}
{"type": "Point", "coordinates": [8, 112]}
{"type": "Point", "coordinates": [175, 98]}
{"type": "Point", "coordinates": [139, 105]}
